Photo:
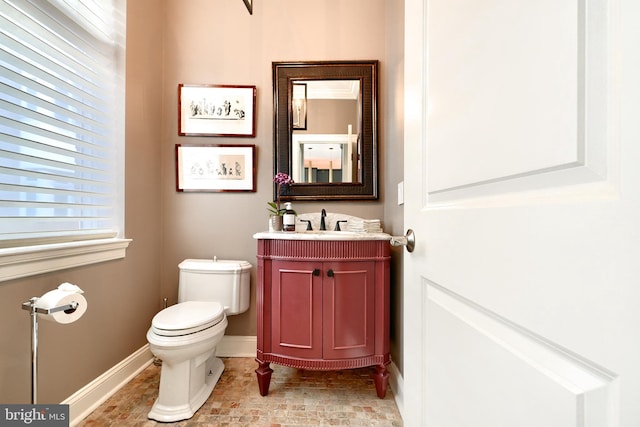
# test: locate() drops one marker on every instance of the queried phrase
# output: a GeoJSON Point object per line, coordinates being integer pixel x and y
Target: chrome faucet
{"type": "Point", "coordinates": [323, 226]}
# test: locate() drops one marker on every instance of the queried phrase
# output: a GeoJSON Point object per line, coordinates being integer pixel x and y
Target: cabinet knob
{"type": "Point", "coordinates": [330, 273]}
{"type": "Point", "coordinates": [316, 272]}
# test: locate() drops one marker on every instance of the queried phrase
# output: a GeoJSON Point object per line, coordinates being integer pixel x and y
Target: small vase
{"type": "Point", "coordinates": [275, 223]}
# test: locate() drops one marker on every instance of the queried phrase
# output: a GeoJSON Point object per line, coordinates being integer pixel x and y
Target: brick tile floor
{"type": "Point", "coordinates": [296, 398]}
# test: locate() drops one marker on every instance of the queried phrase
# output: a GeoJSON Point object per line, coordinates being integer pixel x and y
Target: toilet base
{"type": "Point", "coordinates": [171, 406]}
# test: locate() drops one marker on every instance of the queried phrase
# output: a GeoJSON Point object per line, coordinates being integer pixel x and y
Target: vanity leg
{"type": "Point", "coordinates": [381, 378]}
{"type": "Point", "coordinates": [264, 377]}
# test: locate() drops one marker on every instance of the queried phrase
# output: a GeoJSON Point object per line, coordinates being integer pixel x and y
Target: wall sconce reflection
{"type": "Point", "coordinates": [299, 106]}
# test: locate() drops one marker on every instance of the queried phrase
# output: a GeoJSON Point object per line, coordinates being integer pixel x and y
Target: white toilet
{"type": "Point", "coordinates": [184, 336]}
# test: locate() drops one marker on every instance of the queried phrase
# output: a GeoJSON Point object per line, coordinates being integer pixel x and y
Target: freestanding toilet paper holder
{"type": "Point", "coordinates": [31, 306]}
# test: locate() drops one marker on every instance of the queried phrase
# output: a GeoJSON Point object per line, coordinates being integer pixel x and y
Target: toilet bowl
{"type": "Point", "coordinates": [184, 336]}
{"type": "Point", "coordinates": [190, 369]}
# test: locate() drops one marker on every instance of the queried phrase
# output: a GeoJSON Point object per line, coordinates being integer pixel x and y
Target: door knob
{"type": "Point", "coordinates": [408, 240]}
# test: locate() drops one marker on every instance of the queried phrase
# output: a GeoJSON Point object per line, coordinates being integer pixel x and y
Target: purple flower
{"type": "Point", "coordinates": [280, 179]}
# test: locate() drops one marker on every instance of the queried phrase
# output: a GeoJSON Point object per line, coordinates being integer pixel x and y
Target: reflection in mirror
{"type": "Point", "coordinates": [324, 158]}
{"type": "Point", "coordinates": [325, 129]}
{"type": "Point", "coordinates": [326, 122]}
{"type": "Point", "coordinates": [299, 106]}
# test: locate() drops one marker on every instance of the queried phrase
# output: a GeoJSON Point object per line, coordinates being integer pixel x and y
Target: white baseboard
{"type": "Point", "coordinates": [237, 346]}
{"type": "Point", "coordinates": [397, 385]}
{"type": "Point", "coordinates": [89, 397]}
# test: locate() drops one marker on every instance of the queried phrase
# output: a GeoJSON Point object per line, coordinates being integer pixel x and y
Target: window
{"type": "Point", "coordinates": [61, 130]}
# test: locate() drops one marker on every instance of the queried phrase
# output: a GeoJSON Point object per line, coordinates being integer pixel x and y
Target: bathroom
{"type": "Point", "coordinates": [549, 277]}
{"type": "Point", "coordinates": [167, 45]}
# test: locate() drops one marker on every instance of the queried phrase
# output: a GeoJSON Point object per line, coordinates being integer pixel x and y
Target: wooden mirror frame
{"type": "Point", "coordinates": [284, 74]}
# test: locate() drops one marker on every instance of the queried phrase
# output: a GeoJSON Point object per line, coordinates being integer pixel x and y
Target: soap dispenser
{"type": "Point", "coordinates": [289, 218]}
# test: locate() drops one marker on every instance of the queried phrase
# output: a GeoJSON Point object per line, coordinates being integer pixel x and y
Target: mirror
{"type": "Point", "coordinates": [324, 145]}
{"type": "Point", "coordinates": [325, 129]}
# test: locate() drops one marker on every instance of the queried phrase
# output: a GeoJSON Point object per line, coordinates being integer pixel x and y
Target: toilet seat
{"type": "Point", "coordinates": [187, 318]}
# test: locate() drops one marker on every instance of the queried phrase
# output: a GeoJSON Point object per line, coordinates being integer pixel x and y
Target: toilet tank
{"type": "Point", "coordinates": [225, 281]}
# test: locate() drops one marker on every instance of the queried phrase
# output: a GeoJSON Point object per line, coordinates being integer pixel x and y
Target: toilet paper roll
{"type": "Point", "coordinates": [66, 293]}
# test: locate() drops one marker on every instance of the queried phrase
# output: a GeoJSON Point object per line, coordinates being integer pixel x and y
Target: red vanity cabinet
{"type": "Point", "coordinates": [323, 305]}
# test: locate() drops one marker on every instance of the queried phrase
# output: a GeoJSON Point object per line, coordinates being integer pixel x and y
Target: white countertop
{"type": "Point", "coordinates": [321, 235]}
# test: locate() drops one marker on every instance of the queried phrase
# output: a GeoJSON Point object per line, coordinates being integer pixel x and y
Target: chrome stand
{"type": "Point", "coordinates": [31, 306]}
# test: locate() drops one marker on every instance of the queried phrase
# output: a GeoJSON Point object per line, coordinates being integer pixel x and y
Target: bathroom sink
{"type": "Point", "coordinates": [330, 220]}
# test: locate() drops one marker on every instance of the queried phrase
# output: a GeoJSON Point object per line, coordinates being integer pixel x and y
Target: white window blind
{"type": "Point", "coordinates": [61, 120]}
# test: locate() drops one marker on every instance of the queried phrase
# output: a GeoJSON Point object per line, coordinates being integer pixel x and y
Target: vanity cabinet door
{"type": "Point", "coordinates": [296, 309]}
{"type": "Point", "coordinates": [348, 309]}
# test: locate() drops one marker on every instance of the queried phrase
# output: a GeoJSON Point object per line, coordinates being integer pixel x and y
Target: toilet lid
{"type": "Point", "coordinates": [187, 318]}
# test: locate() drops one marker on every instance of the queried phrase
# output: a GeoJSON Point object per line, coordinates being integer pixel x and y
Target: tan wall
{"type": "Point", "coordinates": [122, 295]}
{"type": "Point", "coordinates": [198, 41]}
{"type": "Point", "coordinates": [218, 42]}
{"type": "Point", "coordinates": [392, 110]}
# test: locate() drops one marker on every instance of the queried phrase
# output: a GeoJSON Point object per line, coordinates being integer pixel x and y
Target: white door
{"type": "Point", "coordinates": [522, 184]}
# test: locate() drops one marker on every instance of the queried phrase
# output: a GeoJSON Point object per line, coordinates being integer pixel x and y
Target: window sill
{"type": "Point", "coordinates": [31, 260]}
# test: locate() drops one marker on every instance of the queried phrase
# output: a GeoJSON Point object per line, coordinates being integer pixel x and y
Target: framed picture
{"type": "Point", "coordinates": [216, 110]}
{"type": "Point", "coordinates": [215, 168]}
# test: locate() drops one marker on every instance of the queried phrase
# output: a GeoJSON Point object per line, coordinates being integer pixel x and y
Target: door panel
{"type": "Point", "coordinates": [476, 90]}
{"type": "Point", "coordinates": [485, 352]}
{"type": "Point", "coordinates": [349, 310]}
{"type": "Point", "coordinates": [520, 103]}
{"type": "Point", "coordinates": [297, 309]}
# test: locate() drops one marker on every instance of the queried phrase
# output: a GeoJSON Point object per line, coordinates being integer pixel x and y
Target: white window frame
{"type": "Point", "coordinates": [31, 260]}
